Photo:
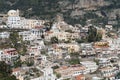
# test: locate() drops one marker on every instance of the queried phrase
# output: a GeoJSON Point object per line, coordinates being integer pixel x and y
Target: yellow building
{"type": "Point", "coordinates": [71, 47]}
{"type": "Point", "coordinates": [101, 44]}
{"type": "Point", "coordinates": [102, 31]}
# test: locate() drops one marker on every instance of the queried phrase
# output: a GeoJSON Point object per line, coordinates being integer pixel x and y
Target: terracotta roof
{"type": "Point", "coordinates": [15, 69]}
{"type": "Point", "coordinates": [79, 77]}
{"type": "Point", "coordinates": [10, 50]}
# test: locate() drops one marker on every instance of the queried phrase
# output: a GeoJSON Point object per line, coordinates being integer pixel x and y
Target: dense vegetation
{"type": "Point", "coordinates": [18, 43]}
{"type": "Point", "coordinates": [47, 9]}
{"type": "Point", "coordinates": [118, 76]}
{"type": "Point", "coordinates": [5, 72]}
{"type": "Point", "coordinates": [31, 7]}
{"type": "Point", "coordinates": [93, 35]}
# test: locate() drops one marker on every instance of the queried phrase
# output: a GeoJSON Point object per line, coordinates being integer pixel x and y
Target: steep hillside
{"type": "Point", "coordinates": [74, 11]}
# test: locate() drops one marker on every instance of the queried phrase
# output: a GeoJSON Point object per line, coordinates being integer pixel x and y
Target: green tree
{"type": "Point", "coordinates": [10, 78]}
{"type": "Point", "coordinates": [69, 30]}
{"type": "Point", "coordinates": [34, 2]}
{"type": "Point", "coordinates": [54, 40]}
{"type": "Point", "coordinates": [24, 49]}
{"type": "Point", "coordinates": [82, 40]}
{"type": "Point", "coordinates": [67, 79]}
{"type": "Point", "coordinates": [93, 35]}
{"type": "Point", "coordinates": [18, 43]}
{"type": "Point", "coordinates": [58, 75]}
{"type": "Point", "coordinates": [74, 61]}
{"type": "Point", "coordinates": [30, 62]}
{"type": "Point", "coordinates": [17, 63]}
{"type": "Point", "coordinates": [118, 76]}
{"type": "Point", "coordinates": [98, 36]}
{"type": "Point", "coordinates": [5, 72]}
{"type": "Point", "coordinates": [5, 68]}
{"type": "Point", "coordinates": [14, 37]}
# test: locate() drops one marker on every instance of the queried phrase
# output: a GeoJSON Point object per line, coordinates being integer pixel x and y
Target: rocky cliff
{"type": "Point", "coordinates": [72, 10]}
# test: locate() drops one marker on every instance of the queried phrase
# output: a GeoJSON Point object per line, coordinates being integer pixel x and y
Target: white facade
{"type": "Point", "coordinates": [33, 50]}
{"type": "Point", "coordinates": [14, 21]}
{"type": "Point", "coordinates": [108, 72]}
{"type": "Point", "coordinates": [90, 66]}
{"type": "Point", "coordinates": [114, 43]}
{"type": "Point", "coordinates": [8, 55]}
{"type": "Point", "coordinates": [61, 34]}
{"type": "Point", "coordinates": [103, 62]}
{"type": "Point", "coordinates": [71, 71]}
{"type": "Point", "coordinates": [3, 26]}
{"type": "Point", "coordinates": [31, 34]}
{"type": "Point", "coordinates": [87, 49]}
{"type": "Point", "coordinates": [4, 35]}
{"type": "Point", "coordinates": [48, 75]}
{"type": "Point", "coordinates": [108, 27]}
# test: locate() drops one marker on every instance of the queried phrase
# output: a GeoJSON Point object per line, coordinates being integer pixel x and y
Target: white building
{"type": "Point", "coordinates": [61, 34]}
{"type": "Point", "coordinates": [71, 71]}
{"type": "Point", "coordinates": [103, 62]}
{"type": "Point", "coordinates": [114, 43]}
{"type": "Point", "coordinates": [34, 51]}
{"type": "Point", "coordinates": [31, 34]}
{"type": "Point", "coordinates": [17, 22]}
{"type": "Point", "coordinates": [4, 35]}
{"type": "Point", "coordinates": [16, 72]}
{"type": "Point", "coordinates": [8, 55]}
{"type": "Point", "coordinates": [48, 75]}
{"type": "Point", "coordinates": [87, 49]}
{"type": "Point", "coordinates": [108, 27]}
{"type": "Point", "coordinates": [108, 72]}
{"type": "Point", "coordinates": [26, 35]}
{"type": "Point", "coordinates": [90, 66]}
{"type": "Point", "coordinates": [3, 26]}
{"type": "Point", "coordinates": [14, 20]}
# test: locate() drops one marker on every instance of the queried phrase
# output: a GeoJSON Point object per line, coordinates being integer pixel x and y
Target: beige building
{"type": "Point", "coordinates": [71, 47]}
{"type": "Point", "coordinates": [64, 36]}
{"type": "Point", "coordinates": [102, 32]}
{"type": "Point", "coordinates": [60, 35]}
{"type": "Point", "coordinates": [33, 23]}
{"type": "Point", "coordinates": [71, 71]}
{"type": "Point", "coordinates": [17, 22]}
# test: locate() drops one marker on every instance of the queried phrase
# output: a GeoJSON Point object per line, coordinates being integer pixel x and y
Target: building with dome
{"type": "Point", "coordinates": [14, 21]}
{"type": "Point", "coordinates": [13, 13]}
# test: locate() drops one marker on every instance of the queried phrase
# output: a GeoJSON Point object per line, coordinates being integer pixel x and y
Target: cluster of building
{"type": "Point", "coordinates": [74, 71]}
{"type": "Point", "coordinates": [98, 60]}
{"type": "Point", "coordinates": [8, 55]}
{"type": "Point", "coordinates": [34, 73]}
{"type": "Point", "coordinates": [14, 21]}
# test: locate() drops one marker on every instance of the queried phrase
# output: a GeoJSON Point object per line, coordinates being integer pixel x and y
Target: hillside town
{"type": "Point", "coordinates": [55, 50]}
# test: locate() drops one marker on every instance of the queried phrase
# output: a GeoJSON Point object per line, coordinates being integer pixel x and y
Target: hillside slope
{"type": "Point", "coordinates": [74, 11]}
